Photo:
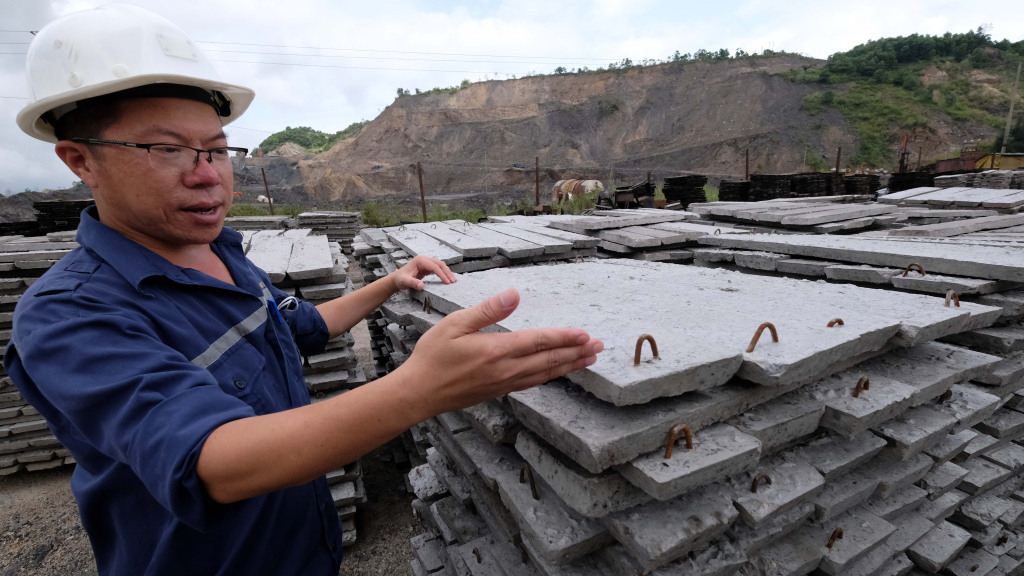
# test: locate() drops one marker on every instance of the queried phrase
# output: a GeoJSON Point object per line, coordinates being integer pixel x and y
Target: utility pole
{"type": "Point", "coordinates": [746, 173]}
{"type": "Point", "coordinates": [839, 154]}
{"type": "Point", "coordinates": [423, 198]}
{"type": "Point", "coordinates": [536, 173]}
{"type": "Point", "coordinates": [1009, 117]}
{"type": "Point", "coordinates": [919, 150]}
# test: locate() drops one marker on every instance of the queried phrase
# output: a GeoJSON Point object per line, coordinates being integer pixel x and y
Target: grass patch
{"type": "Point", "coordinates": [292, 210]}
{"type": "Point", "coordinates": [577, 204]}
{"type": "Point", "coordinates": [710, 193]}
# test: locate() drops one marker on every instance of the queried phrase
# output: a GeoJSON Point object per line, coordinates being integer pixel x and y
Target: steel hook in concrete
{"type": "Point", "coordinates": [640, 346]}
{"type": "Point", "coordinates": [757, 335]}
{"type": "Point", "coordinates": [426, 304]}
{"type": "Point", "coordinates": [525, 472]}
{"type": "Point", "coordinates": [862, 384]}
{"type": "Point", "coordinates": [837, 534]}
{"type": "Point", "coordinates": [913, 265]}
{"type": "Point", "coordinates": [757, 479]}
{"type": "Point", "coordinates": [952, 295]}
{"type": "Point", "coordinates": [671, 441]}
{"type": "Point", "coordinates": [717, 232]}
{"type": "Point", "coordinates": [835, 321]}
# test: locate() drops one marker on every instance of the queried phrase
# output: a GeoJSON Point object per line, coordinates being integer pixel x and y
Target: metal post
{"type": "Point", "coordinates": [919, 150]}
{"type": "Point", "coordinates": [423, 199]}
{"type": "Point", "coordinates": [1009, 116]}
{"type": "Point", "coordinates": [746, 174]}
{"type": "Point", "coordinates": [839, 154]}
{"type": "Point", "coordinates": [270, 200]}
{"type": "Point", "coordinates": [536, 173]}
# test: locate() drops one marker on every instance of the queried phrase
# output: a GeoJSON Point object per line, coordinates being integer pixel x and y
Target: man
{"type": "Point", "coordinates": [167, 363]}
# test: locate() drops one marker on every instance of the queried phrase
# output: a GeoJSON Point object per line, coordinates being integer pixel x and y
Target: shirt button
{"type": "Point", "coordinates": [239, 384]}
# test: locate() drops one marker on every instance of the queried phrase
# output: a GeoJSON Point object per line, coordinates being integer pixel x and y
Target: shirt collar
{"type": "Point", "coordinates": [132, 260]}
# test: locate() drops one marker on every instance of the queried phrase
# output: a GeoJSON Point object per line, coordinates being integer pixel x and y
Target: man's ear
{"type": "Point", "coordinates": [80, 160]}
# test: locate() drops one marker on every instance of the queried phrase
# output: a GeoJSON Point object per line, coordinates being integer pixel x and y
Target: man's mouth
{"type": "Point", "coordinates": [204, 209]}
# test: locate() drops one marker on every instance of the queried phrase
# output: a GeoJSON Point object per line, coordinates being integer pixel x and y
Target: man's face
{"type": "Point", "coordinates": [144, 197]}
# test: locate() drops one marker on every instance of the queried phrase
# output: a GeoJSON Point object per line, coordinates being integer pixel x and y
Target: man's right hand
{"type": "Point", "coordinates": [455, 366]}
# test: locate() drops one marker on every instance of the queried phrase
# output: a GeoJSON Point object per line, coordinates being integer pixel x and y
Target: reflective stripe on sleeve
{"type": "Point", "coordinates": [236, 333]}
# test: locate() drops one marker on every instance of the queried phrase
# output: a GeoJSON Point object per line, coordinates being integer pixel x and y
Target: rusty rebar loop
{"type": "Point", "coordinates": [512, 220]}
{"type": "Point", "coordinates": [467, 225]}
{"type": "Point", "coordinates": [837, 534]}
{"type": "Point", "coordinates": [433, 225]}
{"type": "Point", "coordinates": [912, 265]}
{"type": "Point", "coordinates": [945, 396]}
{"type": "Point", "coordinates": [526, 473]}
{"type": "Point", "coordinates": [757, 480]}
{"type": "Point", "coordinates": [426, 304]}
{"type": "Point", "coordinates": [716, 232]}
{"type": "Point", "coordinates": [835, 321]}
{"type": "Point", "coordinates": [671, 440]}
{"type": "Point", "coordinates": [952, 295]}
{"type": "Point", "coordinates": [757, 335]}
{"type": "Point", "coordinates": [476, 553]}
{"type": "Point", "coordinates": [640, 346]}
{"type": "Point", "coordinates": [975, 567]}
{"type": "Point", "coordinates": [863, 384]}
{"type": "Point", "coordinates": [577, 259]}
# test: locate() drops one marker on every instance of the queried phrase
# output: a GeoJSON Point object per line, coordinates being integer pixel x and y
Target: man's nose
{"type": "Point", "coordinates": [203, 175]}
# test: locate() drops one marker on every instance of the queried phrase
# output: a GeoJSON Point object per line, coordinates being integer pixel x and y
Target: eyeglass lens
{"type": "Point", "coordinates": [168, 157]}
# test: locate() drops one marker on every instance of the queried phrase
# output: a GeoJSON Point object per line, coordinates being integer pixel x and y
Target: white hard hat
{"type": "Point", "coordinates": [110, 49]}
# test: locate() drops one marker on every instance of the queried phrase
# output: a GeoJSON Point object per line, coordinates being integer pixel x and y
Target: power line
{"type": "Point", "coordinates": [15, 97]}
{"type": "Point", "coordinates": [383, 57]}
{"type": "Point", "coordinates": [357, 67]}
{"type": "Point", "coordinates": [244, 128]}
{"type": "Point", "coordinates": [19, 43]}
{"type": "Point", "coordinates": [399, 51]}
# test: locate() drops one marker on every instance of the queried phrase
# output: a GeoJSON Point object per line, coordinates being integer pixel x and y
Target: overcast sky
{"type": "Point", "coordinates": [388, 45]}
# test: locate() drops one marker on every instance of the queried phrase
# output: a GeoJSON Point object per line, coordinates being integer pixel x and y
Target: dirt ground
{"type": "Point", "coordinates": [41, 534]}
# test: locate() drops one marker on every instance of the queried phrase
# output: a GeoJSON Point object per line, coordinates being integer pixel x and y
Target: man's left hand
{"type": "Point", "coordinates": [411, 275]}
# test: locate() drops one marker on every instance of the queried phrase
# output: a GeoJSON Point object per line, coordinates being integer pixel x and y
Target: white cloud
{"type": "Point", "coordinates": [566, 32]}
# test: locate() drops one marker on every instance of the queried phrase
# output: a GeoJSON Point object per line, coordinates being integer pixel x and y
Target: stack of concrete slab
{"type": "Point", "coordinates": [809, 215]}
{"type": "Point", "coordinates": [957, 197]}
{"type": "Point", "coordinates": [850, 452]}
{"type": "Point", "coordinates": [372, 251]}
{"type": "Point", "coordinates": [260, 222]}
{"type": "Point", "coordinates": [340, 227]}
{"type": "Point", "coordinates": [349, 493]}
{"type": "Point", "coordinates": [644, 234]}
{"type": "Point", "coordinates": [26, 443]}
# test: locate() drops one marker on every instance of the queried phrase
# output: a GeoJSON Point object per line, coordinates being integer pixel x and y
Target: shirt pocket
{"type": "Point", "coordinates": [238, 372]}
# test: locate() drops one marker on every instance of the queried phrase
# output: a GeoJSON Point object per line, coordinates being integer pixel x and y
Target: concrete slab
{"type": "Point", "coordinates": [941, 479]}
{"type": "Point", "coordinates": [488, 460]}
{"type": "Point", "coordinates": [1005, 371]}
{"type": "Point", "coordinates": [914, 430]}
{"type": "Point", "coordinates": [468, 246]}
{"type": "Point", "coordinates": [492, 421]}
{"type": "Point", "coordinates": [803, 267]}
{"type": "Point", "coordinates": [1002, 339]}
{"type": "Point", "coordinates": [795, 555]}
{"type": "Point", "coordinates": [559, 534]}
{"type": "Point", "coordinates": [781, 421]}
{"type": "Point", "coordinates": [271, 254]}
{"type": "Point", "coordinates": [930, 367]}
{"type": "Point", "coordinates": [896, 475]}
{"type": "Point", "coordinates": [1013, 517]}
{"type": "Point", "coordinates": [660, 532]}
{"type": "Point", "coordinates": [897, 197]}
{"type": "Point", "coordinates": [850, 416]}
{"type": "Point", "coordinates": [1010, 456]}
{"type": "Point", "coordinates": [941, 284]}
{"type": "Point", "coordinates": [551, 245]}
{"type": "Point", "coordinates": [457, 486]}
{"type": "Point", "coordinates": [943, 506]}
{"type": "Point", "coordinates": [508, 246]}
{"type": "Point", "coordinates": [712, 255]}
{"type": "Point", "coordinates": [843, 493]}
{"type": "Point", "coordinates": [980, 512]}
{"type": "Point", "coordinates": [792, 483]}
{"type": "Point", "coordinates": [833, 456]}
{"type": "Point", "coordinates": [417, 243]}
{"type": "Point", "coordinates": [628, 237]}
{"type": "Point", "coordinates": [718, 451]}
{"type": "Point", "coordinates": [592, 495]}
{"type": "Point", "coordinates": [981, 475]}
{"type": "Point", "coordinates": [454, 422]}
{"type": "Point", "coordinates": [969, 407]}
{"type": "Point", "coordinates": [910, 527]}
{"type": "Point", "coordinates": [939, 547]}
{"type": "Point", "coordinates": [861, 273]}
{"type": "Point", "coordinates": [1002, 423]}
{"type": "Point", "coordinates": [753, 540]}
{"type": "Point", "coordinates": [579, 241]}
{"type": "Point", "coordinates": [958, 227]}
{"type": "Point", "coordinates": [310, 258]}
{"type": "Point", "coordinates": [905, 500]}
{"type": "Point", "coordinates": [428, 551]}
{"type": "Point", "coordinates": [972, 563]}
{"type": "Point", "coordinates": [862, 532]}
{"type": "Point", "coordinates": [993, 262]}
{"type": "Point", "coordinates": [803, 352]}
{"type": "Point", "coordinates": [466, 525]}
{"type": "Point", "coordinates": [758, 260]}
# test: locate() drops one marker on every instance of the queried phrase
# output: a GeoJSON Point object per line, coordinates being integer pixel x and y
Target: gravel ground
{"type": "Point", "coordinates": [41, 534]}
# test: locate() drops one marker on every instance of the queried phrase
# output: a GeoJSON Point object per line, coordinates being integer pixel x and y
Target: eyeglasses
{"type": "Point", "coordinates": [178, 158]}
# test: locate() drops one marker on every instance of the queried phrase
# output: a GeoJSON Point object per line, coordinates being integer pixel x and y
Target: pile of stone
{"type": "Point", "coordinates": [854, 444]}
{"type": "Point", "coordinates": [340, 227]}
{"type": "Point", "coordinates": [25, 439]}
{"type": "Point", "coordinates": [260, 222]}
{"type": "Point", "coordinates": [685, 189]}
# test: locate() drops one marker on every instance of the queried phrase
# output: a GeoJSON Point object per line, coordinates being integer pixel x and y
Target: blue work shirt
{"type": "Point", "coordinates": [133, 362]}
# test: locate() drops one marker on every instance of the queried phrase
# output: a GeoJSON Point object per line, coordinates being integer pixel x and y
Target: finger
{"type": "Point", "coordinates": [549, 374]}
{"type": "Point", "coordinates": [490, 311]}
{"type": "Point", "coordinates": [435, 267]}
{"type": "Point", "coordinates": [548, 360]}
{"type": "Point", "coordinates": [525, 342]}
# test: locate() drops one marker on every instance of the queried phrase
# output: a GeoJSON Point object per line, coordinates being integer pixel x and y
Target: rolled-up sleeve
{"type": "Point", "coordinates": [134, 398]}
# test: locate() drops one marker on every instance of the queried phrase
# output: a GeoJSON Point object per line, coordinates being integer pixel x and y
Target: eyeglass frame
{"type": "Point", "coordinates": [146, 147]}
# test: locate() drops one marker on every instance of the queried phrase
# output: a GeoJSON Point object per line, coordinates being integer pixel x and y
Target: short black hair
{"type": "Point", "coordinates": [89, 122]}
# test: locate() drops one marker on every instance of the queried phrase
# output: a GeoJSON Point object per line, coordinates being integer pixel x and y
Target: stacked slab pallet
{"type": "Point", "coordinates": [808, 185]}
{"type": "Point", "coordinates": [862, 184]}
{"type": "Point", "coordinates": [951, 181]}
{"type": "Point", "coordinates": [51, 216]}
{"type": "Point", "coordinates": [907, 180]}
{"type": "Point", "coordinates": [340, 227]}
{"type": "Point", "coordinates": [824, 215]}
{"type": "Point", "coordinates": [734, 191]}
{"type": "Point", "coordinates": [1003, 200]}
{"type": "Point", "coordinates": [372, 251]}
{"type": "Point", "coordinates": [260, 222]}
{"type": "Point", "coordinates": [685, 189]}
{"type": "Point", "coordinates": [26, 443]}
{"type": "Point", "coordinates": [644, 234]}
{"type": "Point", "coordinates": [769, 186]}
{"type": "Point", "coordinates": [793, 467]}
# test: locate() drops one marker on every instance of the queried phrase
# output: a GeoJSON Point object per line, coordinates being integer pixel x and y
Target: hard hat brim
{"type": "Point", "coordinates": [30, 119]}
